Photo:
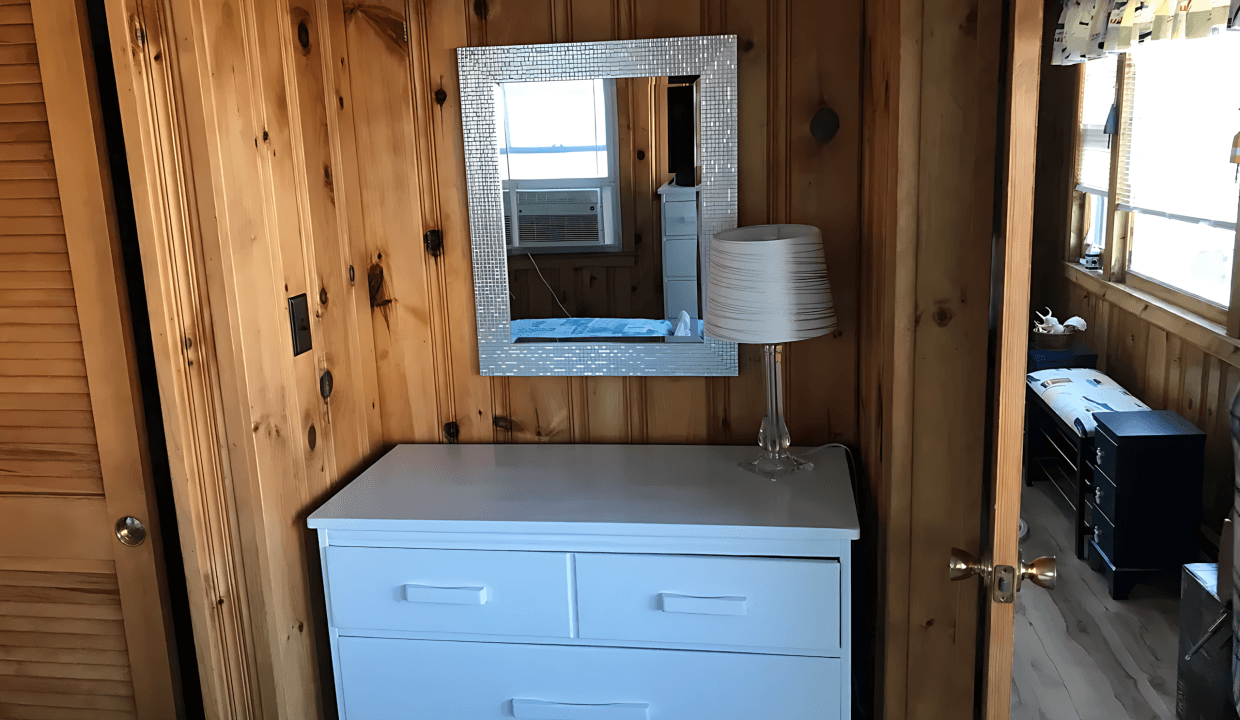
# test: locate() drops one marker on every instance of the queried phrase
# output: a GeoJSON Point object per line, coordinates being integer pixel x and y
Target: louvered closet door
{"type": "Point", "coordinates": [83, 630]}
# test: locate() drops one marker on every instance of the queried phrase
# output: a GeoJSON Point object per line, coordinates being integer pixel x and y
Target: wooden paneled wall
{"type": "Point", "coordinates": [1167, 360]}
{"type": "Point", "coordinates": [306, 147]}
{"type": "Point", "coordinates": [1168, 370]}
{"type": "Point", "coordinates": [62, 635]}
{"type": "Point", "coordinates": [932, 97]}
{"type": "Point", "coordinates": [785, 177]}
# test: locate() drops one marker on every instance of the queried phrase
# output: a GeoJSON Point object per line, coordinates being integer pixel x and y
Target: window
{"type": "Point", "coordinates": [1094, 161]}
{"type": "Point", "coordinates": [1097, 101]}
{"type": "Point", "coordinates": [557, 158]}
{"type": "Point", "coordinates": [1179, 184]}
{"type": "Point", "coordinates": [1096, 227]}
{"type": "Point", "coordinates": [1164, 114]}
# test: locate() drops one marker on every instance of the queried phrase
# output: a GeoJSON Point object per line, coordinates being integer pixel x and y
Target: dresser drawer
{"type": "Point", "coordinates": [385, 679]}
{"type": "Point", "coordinates": [680, 218]}
{"type": "Point", "coordinates": [464, 591]}
{"type": "Point", "coordinates": [697, 600]}
{"type": "Point", "coordinates": [1106, 453]}
{"type": "Point", "coordinates": [1104, 495]}
{"type": "Point", "coordinates": [1104, 536]}
{"type": "Point", "coordinates": [680, 258]}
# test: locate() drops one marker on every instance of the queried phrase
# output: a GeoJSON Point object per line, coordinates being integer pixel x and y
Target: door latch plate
{"type": "Point", "coordinates": [1003, 584]}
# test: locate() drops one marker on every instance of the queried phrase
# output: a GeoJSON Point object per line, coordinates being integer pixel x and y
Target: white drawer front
{"type": "Point", "coordinates": [386, 679]}
{"type": "Point", "coordinates": [680, 258]}
{"type": "Point", "coordinates": [748, 602]}
{"type": "Point", "coordinates": [680, 218]}
{"type": "Point", "coordinates": [465, 591]}
{"type": "Point", "coordinates": [680, 295]}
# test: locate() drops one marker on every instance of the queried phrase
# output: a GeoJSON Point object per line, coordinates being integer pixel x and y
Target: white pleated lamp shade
{"type": "Point", "coordinates": [768, 284]}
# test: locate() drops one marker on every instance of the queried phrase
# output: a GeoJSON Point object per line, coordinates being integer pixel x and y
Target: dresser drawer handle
{"type": "Point", "coordinates": [727, 605]}
{"type": "Point", "coordinates": [446, 595]}
{"type": "Point", "coordinates": [542, 710]}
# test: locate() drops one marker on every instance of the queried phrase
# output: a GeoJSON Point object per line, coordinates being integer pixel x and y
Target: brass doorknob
{"type": "Point", "coordinates": [1041, 572]}
{"type": "Point", "coordinates": [130, 531]}
{"type": "Point", "coordinates": [963, 564]}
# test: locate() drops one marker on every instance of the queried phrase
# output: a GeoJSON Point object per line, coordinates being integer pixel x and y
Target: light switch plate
{"type": "Point", "coordinates": [299, 322]}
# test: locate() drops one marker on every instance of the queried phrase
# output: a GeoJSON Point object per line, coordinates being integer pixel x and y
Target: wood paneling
{"type": "Point", "coordinates": [206, 485]}
{"type": "Point", "coordinates": [1167, 371]}
{"type": "Point", "coordinates": [931, 95]}
{"type": "Point", "coordinates": [1165, 356]}
{"type": "Point", "coordinates": [306, 147]}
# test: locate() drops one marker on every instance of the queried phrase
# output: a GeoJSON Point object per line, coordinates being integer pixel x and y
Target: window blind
{"type": "Point", "coordinates": [1177, 139]}
{"type": "Point", "coordinates": [1098, 95]}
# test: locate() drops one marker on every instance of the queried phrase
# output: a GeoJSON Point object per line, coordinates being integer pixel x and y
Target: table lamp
{"type": "Point", "coordinates": [767, 285]}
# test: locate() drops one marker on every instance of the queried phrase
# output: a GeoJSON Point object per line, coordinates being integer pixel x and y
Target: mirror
{"type": "Point", "coordinates": [596, 173]}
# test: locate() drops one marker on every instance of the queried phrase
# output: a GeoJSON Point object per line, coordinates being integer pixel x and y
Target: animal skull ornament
{"type": "Point", "coordinates": [1049, 324]}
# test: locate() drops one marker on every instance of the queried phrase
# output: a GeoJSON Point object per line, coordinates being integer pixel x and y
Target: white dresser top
{"type": "Point", "coordinates": [690, 490]}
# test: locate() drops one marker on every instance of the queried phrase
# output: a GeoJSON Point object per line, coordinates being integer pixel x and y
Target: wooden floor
{"type": "Point", "coordinates": [1078, 653]}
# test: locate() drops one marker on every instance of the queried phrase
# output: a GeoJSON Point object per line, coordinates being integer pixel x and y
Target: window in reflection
{"type": "Point", "coordinates": [554, 130]}
{"type": "Point", "coordinates": [557, 162]}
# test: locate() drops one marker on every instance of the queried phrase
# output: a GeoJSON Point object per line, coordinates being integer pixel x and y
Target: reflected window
{"type": "Point", "coordinates": [554, 130]}
{"type": "Point", "coordinates": [557, 160]}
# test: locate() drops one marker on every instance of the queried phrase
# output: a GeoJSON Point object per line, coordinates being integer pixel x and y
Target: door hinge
{"type": "Point", "coordinates": [405, 29]}
{"type": "Point", "coordinates": [433, 240]}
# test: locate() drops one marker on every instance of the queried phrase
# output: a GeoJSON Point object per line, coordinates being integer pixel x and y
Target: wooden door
{"type": "Point", "coordinates": [1015, 246]}
{"type": "Point", "coordinates": [84, 629]}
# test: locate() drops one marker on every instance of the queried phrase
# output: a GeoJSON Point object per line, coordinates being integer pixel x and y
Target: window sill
{"type": "Point", "coordinates": [1205, 334]}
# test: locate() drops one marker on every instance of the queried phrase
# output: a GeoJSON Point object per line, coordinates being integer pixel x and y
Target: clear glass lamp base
{"type": "Point", "coordinates": [775, 461]}
{"type": "Point", "coordinates": [775, 465]}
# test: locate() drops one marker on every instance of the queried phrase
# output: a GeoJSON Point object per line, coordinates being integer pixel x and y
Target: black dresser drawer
{"type": "Point", "coordinates": [1105, 453]}
{"type": "Point", "coordinates": [1104, 536]}
{"type": "Point", "coordinates": [1105, 494]}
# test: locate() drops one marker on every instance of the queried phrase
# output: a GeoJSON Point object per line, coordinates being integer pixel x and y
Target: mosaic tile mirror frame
{"type": "Point", "coordinates": [713, 59]}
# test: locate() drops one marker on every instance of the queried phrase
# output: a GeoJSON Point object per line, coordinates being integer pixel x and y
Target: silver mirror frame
{"type": "Point", "coordinates": [713, 58]}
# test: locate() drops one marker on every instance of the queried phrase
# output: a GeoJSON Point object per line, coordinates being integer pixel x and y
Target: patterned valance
{"type": "Point", "coordinates": [1091, 29]}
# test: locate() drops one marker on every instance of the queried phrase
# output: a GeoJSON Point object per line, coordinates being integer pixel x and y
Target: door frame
{"type": "Point", "coordinates": [210, 99]}
{"type": "Point", "coordinates": [66, 64]}
{"type": "Point", "coordinates": [154, 80]}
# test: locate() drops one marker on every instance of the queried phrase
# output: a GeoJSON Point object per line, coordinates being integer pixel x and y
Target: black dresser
{"type": "Point", "coordinates": [1145, 504]}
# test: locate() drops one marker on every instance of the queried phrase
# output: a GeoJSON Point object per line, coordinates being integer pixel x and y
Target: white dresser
{"type": "Point", "coordinates": [589, 582]}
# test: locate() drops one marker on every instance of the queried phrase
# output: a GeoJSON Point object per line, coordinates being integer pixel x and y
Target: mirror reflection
{"type": "Point", "coordinates": [599, 182]}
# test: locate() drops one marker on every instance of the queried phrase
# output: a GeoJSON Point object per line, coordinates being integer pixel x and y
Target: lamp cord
{"type": "Point", "coordinates": [549, 288]}
{"type": "Point", "coordinates": [852, 461]}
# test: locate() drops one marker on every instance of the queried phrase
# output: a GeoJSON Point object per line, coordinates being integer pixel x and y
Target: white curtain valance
{"type": "Point", "coordinates": [1091, 29]}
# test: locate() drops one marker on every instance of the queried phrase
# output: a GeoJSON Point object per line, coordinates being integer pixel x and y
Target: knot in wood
{"type": "Point", "coordinates": [303, 35]}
